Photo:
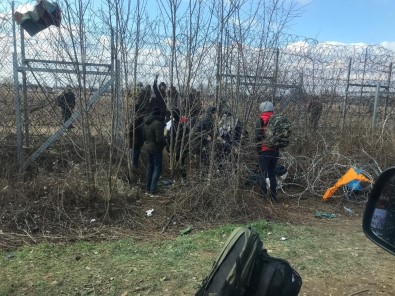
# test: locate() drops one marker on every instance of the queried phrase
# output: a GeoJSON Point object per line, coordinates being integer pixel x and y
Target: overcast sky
{"type": "Point", "coordinates": [348, 21]}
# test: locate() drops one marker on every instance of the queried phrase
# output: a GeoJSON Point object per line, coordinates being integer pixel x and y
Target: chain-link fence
{"type": "Point", "coordinates": [104, 52]}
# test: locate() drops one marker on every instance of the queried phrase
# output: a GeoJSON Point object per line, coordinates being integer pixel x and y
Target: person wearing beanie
{"type": "Point", "coordinates": [266, 107]}
{"type": "Point", "coordinates": [154, 125]}
{"type": "Point", "coordinates": [267, 157]}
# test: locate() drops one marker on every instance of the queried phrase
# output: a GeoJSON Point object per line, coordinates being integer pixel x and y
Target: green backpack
{"type": "Point", "coordinates": [232, 271]}
{"type": "Point", "coordinates": [278, 132]}
{"type": "Point", "coordinates": [244, 268]}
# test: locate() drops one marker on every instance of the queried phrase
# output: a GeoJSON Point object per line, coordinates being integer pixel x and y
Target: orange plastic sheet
{"type": "Point", "coordinates": [351, 175]}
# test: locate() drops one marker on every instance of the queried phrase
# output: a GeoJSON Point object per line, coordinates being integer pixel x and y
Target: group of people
{"type": "Point", "coordinates": [157, 127]}
{"type": "Point", "coordinates": [230, 137]}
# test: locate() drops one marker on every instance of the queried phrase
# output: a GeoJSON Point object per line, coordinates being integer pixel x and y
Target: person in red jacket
{"type": "Point", "coordinates": [267, 157]}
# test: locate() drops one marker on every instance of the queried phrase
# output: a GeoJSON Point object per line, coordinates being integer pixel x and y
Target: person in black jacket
{"type": "Point", "coordinates": [143, 97]}
{"type": "Point", "coordinates": [314, 110]}
{"type": "Point", "coordinates": [66, 102]}
{"type": "Point", "coordinates": [159, 100]}
{"type": "Point", "coordinates": [154, 126]}
{"type": "Point", "coordinates": [136, 136]}
{"type": "Point", "coordinates": [204, 133]}
{"type": "Point", "coordinates": [229, 139]}
{"type": "Point", "coordinates": [177, 138]}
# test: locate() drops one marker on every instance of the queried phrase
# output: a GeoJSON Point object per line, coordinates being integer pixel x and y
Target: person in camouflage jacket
{"type": "Point", "coordinates": [267, 157]}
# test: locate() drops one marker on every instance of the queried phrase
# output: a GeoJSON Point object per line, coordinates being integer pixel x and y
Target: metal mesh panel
{"type": "Point", "coordinates": [85, 56]}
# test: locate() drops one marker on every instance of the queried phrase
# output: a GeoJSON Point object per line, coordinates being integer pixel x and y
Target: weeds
{"type": "Point", "coordinates": [176, 266]}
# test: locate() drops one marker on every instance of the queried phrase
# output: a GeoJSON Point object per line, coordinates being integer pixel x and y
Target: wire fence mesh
{"type": "Point", "coordinates": [353, 84]}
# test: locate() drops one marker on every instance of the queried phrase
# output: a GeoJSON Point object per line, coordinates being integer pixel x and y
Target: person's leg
{"type": "Point", "coordinates": [63, 111]}
{"type": "Point", "coordinates": [157, 158]}
{"type": "Point", "coordinates": [315, 122]}
{"type": "Point", "coordinates": [219, 157]}
{"type": "Point", "coordinates": [135, 154]}
{"type": "Point", "coordinates": [67, 114]}
{"type": "Point", "coordinates": [226, 159]}
{"type": "Point", "coordinates": [150, 171]}
{"type": "Point", "coordinates": [205, 154]}
{"type": "Point", "coordinates": [271, 171]}
{"type": "Point", "coordinates": [183, 169]}
{"type": "Point", "coordinates": [311, 121]}
{"type": "Point", "coordinates": [262, 161]}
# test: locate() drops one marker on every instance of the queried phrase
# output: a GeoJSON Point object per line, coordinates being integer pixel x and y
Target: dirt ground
{"type": "Point", "coordinates": [355, 265]}
{"type": "Point", "coordinates": [358, 266]}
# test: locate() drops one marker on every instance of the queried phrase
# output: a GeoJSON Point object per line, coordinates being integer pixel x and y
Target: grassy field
{"type": "Point", "coordinates": [332, 256]}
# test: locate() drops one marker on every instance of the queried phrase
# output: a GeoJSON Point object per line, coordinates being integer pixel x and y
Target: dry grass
{"type": "Point", "coordinates": [67, 186]}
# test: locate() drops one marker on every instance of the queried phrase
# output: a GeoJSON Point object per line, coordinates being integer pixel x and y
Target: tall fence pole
{"type": "Point", "coordinates": [376, 99]}
{"type": "Point", "coordinates": [364, 71]}
{"type": "Point", "coordinates": [275, 76]}
{"type": "Point", "coordinates": [346, 96]}
{"type": "Point", "coordinates": [24, 90]}
{"type": "Point", "coordinates": [388, 89]}
{"type": "Point", "coordinates": [299, 98]}
{"type": "Point", "coordinates": [18, 124]}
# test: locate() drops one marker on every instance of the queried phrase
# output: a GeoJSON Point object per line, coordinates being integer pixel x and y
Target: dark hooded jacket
{"type": "Point", "coordinates": [178, 133]}
{"type": "Point", "coordinates": [154, 127]}
{"type": "Point", "coordinates": [159, 100]}
{"type": "Point", "coordinates": [206, 123]}
{"type": "Point", "coordinates": [66, 100]}
{"type": "Point", "coordinates": [136, 132]}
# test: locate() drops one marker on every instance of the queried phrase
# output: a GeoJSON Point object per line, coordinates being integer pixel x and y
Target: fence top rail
{"type": "Point", "coordinates": [67, 63]}
{"type": "Point", "coordinates": [64, 71]}
{"type": "Point", "coordinates": [368, 85]}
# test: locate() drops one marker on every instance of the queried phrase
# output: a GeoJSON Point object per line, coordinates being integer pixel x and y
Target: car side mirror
{"type": "Point", "coordinates": [379, 217]}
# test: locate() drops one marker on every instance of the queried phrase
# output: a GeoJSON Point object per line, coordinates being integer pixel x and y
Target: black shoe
{"type": "Point", "coordinates": [273, 197]}
{"type": "Point", "coordinates": [263, 195]}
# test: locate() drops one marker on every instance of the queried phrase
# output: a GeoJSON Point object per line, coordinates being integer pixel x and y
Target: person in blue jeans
{"type": "Point", "coordinates": [267, 157]}
{"type": "Point", "coordinates": [154, 126]}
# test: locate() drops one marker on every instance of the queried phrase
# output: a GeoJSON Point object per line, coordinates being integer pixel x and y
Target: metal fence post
{"type": "Point", "coordinates": [24, 90]}
{"type": "Point", "coordinates": [19, 133]}
{"type": "Point", "coordinates": [346, 95]}
{"type": "Point", "coordinates": [376, 99]}
{"type": "Point", "coordinates": [388, 90]}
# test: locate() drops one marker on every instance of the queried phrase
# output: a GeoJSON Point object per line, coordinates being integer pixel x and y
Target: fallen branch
{"type": "Point", "coordinates": [167, 224]}
{"type": "Point", "coordinates": [360, 292]}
